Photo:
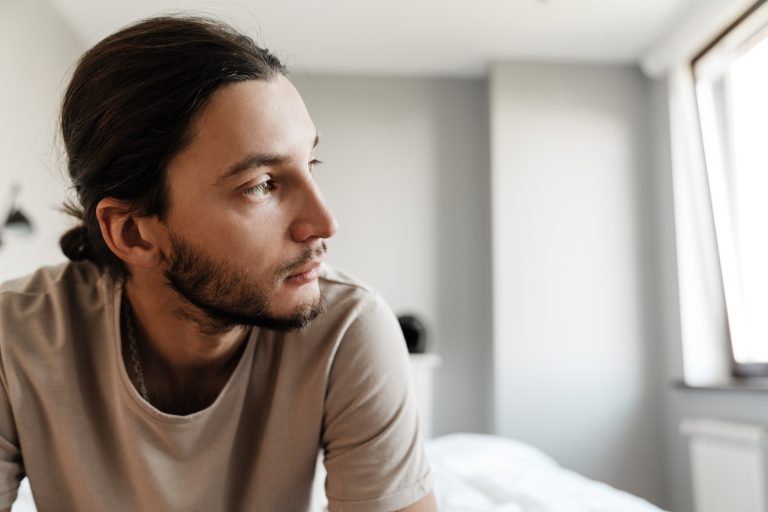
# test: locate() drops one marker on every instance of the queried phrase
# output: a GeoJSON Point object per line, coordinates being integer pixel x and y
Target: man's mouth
{"type": "Point", "coordinates": [310, 270]}
{"type": "Point", "coordinates": [307, 273]}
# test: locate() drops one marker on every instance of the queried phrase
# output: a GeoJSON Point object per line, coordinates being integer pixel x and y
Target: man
{"type": "Point", "coordinates": [196, 353]}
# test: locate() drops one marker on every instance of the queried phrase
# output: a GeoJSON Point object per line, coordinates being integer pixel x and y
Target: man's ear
{"type": "Point", "coordinates": [133, 239]}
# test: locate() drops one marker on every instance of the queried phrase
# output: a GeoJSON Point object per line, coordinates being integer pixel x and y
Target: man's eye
{"type": "Point", "coordinates": [313, 163]}
{"type": "Point", "coordinates": [260, 190]}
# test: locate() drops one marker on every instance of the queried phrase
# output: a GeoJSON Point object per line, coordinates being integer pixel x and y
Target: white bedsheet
{"type": "Point", "coordinates": [24, 501]}
{"type": "Point", "coordinates": [482, 473]}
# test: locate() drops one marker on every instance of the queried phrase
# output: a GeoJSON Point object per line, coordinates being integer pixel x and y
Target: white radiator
{"type": "Point", "coordinates": [728, 465]}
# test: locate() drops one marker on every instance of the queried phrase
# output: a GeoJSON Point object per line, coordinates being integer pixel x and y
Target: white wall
{"type": "Point", "coordinates": [36, 51]}
{"type": "Point", "coordinates": [406, 174]}
{"type": "Point", "coordinates": [576, 350]}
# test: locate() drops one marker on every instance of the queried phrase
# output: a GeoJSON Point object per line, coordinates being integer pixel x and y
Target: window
{"type": "Point", "coordinates": [731, 79]}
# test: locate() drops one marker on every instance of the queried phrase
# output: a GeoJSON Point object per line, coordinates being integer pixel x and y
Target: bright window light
{"type": "Point", "coordinates": [732, 94]}
{"type": "Point", "coordinates": [749, 103]}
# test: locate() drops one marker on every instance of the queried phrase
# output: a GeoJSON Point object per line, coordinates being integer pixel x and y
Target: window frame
{"type": "Point", "coordinates": [752, 24]}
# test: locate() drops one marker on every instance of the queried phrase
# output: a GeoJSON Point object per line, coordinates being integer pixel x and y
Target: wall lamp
{"type": "Point", "coordinates": [15, 221]}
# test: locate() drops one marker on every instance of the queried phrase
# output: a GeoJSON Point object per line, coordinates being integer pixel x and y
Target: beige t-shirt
{"type": "Point", "coordinates": [72, 421]}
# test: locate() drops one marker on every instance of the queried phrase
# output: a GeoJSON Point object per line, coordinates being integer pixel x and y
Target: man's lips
{"type": "Point", "coordinates": [307, 269]}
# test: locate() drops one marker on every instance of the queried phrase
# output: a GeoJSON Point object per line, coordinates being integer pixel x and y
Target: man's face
{"type": "Point", "coordinates": [245, 213]}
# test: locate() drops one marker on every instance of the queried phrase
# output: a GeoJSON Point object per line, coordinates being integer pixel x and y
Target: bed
{"type": "Point", "coordinates": [483, 473]}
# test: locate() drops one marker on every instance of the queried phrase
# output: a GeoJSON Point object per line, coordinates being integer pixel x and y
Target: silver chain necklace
{"type": "Point", "coordinates": [133, 348]}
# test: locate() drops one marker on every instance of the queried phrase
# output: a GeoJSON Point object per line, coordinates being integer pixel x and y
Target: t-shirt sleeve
{"type": "Point", "coordinates": [11, 466]}
{"type": "Point", "coordinates": [374, 452]}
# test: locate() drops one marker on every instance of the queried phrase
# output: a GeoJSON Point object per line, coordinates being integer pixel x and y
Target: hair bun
{"type": "Point", "coordinates": [75, 244]}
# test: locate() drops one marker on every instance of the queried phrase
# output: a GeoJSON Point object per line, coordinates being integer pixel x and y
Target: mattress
{"type": "Point", "coordinates": [483, 473]}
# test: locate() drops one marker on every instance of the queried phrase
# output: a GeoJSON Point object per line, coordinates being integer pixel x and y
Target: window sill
{"type": "Point", "coordinates": [756, 384]}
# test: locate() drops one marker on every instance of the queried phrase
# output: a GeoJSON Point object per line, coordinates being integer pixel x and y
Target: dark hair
{"type": "Point", "coordinates": [129, 109]}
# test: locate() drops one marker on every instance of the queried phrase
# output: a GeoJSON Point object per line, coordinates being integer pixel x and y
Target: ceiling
{"type": "Point", "coordinates": [445, 37]}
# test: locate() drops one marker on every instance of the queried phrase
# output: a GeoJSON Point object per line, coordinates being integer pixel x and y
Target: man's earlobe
{"type": "Point", "coordinates": [126, 235]}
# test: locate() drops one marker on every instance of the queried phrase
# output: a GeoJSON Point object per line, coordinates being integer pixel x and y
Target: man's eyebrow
{"type": "Point", "coordinates": [254, 161]}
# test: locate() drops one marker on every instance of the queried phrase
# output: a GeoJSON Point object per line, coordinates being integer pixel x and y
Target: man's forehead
{"type": "Point", "coordinates": [254, 107]}
{"type": "Point", "coordinates": [251, 120]}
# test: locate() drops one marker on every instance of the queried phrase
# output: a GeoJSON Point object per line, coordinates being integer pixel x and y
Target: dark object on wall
{"type": "Point", "coordinates": [414, 332]}
{"type": "Point", "coordinates": [15, 221]}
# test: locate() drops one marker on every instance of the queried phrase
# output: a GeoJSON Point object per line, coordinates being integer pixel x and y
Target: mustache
{"type": "Point", "coordinates": [308, 255]}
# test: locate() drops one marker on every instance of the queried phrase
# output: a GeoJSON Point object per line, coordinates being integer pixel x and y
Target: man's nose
{"type": "Point", "coordinates": [314, 218]}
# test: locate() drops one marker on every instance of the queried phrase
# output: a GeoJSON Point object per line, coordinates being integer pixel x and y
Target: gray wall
{"type": "Point", "coordinates": [576, 347]}
{"type": "Point", "coordinates": [406, 173]}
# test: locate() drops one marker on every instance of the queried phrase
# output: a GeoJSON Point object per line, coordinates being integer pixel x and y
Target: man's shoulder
{"type": "Point", "coordinates": [45, 280]}
{"type": "Point", "coordinates": [334, 277]}
{"type": "Point", "coordinates": [62, 291]}
{"type": "Point", "coordinates": [349, 301]}
{"type": "Point", "coordinates": [355, 315]}
{"type": "Point", "coordinates": [342, 290]}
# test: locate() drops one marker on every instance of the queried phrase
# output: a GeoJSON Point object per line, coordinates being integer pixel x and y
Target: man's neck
{"type": "Point", "coordinates": [173, 350]}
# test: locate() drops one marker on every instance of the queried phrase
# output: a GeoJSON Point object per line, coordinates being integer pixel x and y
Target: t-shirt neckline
{"type": "Point", "coordinates": [135, 397]}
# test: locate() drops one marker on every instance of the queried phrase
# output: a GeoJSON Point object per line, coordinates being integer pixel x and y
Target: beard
{"type": "Point", "coordinates": [229, 297]}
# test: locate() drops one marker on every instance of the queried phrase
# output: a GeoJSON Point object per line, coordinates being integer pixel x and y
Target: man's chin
{"type": "Point", "coordinates": [290, 298]}
{"type": "Point", "coordinates": [299, 318]}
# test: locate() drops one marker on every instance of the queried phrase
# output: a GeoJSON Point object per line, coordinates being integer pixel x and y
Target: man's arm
{"type": "Point", "coordinates": [374, 454]}
{"type": "Point", "coordinates": [11, 464]}
{"type": "Point", "coordinates": [425, 504]}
